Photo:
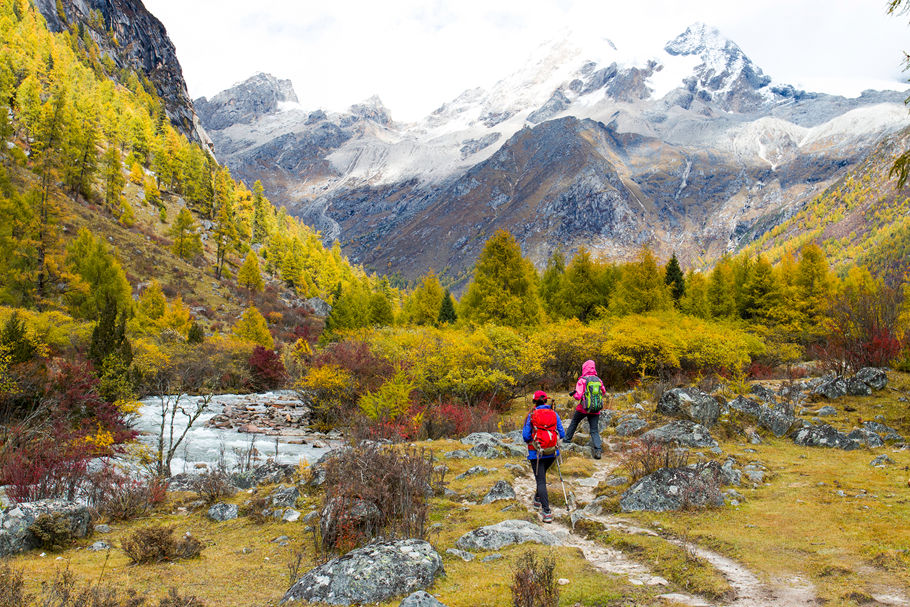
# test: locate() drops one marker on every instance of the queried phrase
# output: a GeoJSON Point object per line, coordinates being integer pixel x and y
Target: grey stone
{"type": "Point", "coordinates": [457, 454]}
{"type": "Point", "coordinates": [764, 393]}
{"type": "Point", "coordinates": [866, 437]}
{"type": "Point", "coordinates": [596, 508]}
{"type": "Point", "coordinates": [290, 515]}
{"type": "Point", "coordinates": [683, 432]}
{"type": "Point", "coordinates": [516, 468]}
{"type": "Point", "coordinates": [102, 529]}
{"type": "Point", "coordinates": [491, 557]}
{"type": "Point", "coordinates": [672, 489]}
{"type": "Point", "coordinates": [831, 387]}
{"type": "Point", "coordinates": [371, 574]}
{"type": "Point", "coordinates": [888, 433]}
{"type": "Point", "coordinates": [500, 491]}
{"type": "Point", "coordinates": [691, 404]}
{"type": "Point", "coordinates": [317, 476]}
{"type": "Point", "coordinates": [480, 438]}
{"type": "Point", "coordinates": [754, 474]}
{"type": "Point", "coordinates": [356, 514]}
{"type": "Point", "coordinates": [616, 481]}
{"type": "Point", "coordinates": [506, 533]}
{"type": "Point", "coordinates": [754, 437]}
{"type": "Point", "coordinates": [280, 539]}
{"type": "Point", "coordinates": [452, 495]}
{"type": "Point", "coordinates": [729, 474]}
{"type": "Point", "coordinates": [826, 411]}
{"type": "Point", "coordinates": [284, 497]}
{"type": "Point", "coordinates": [465, 556]}
{"type": "Point", "coordinates": [873, 378]}
{"type": "Point", "coordinates": [269, 473]}
{"type": "Point", "coordinates": [421, 598]}
{"type": "Point", "coordinates": [221, 512]}
{"type": "Point", "coordinates": [486, 450]}
{"type": "Point", "coordinates": [777, 422]}
{"type": "Point", "coordinates": [823, 435]}
{"type": "Point", "coordinates": [881, 460]}
{"type": "Point", "coordinates": [312, 515]}
{"type": "Point", "coordinates": [15, 521]}
{"type": "Point", "coordinates": [630, 426]}
{"type": "Point", "coordinates": [99, 546]}
{"type": "Point", "coordinates": [472, 471]}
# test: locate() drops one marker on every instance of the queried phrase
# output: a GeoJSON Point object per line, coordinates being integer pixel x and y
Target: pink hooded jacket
{"type": "Point", "coordinates": [587, 369]}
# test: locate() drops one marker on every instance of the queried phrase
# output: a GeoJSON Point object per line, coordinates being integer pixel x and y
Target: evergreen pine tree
{"type": "Point", "coordinates": [673, 277]}
{"type": "Point", "coordinates": [551, 283]}
{"type": "Point", "coordinates": [447, 314]}
{"type": "Point", "coordinates": [109, 337]}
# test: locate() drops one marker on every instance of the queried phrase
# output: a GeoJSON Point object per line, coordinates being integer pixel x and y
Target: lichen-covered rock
{"type": "Point", "coordinates": [457, 454]}
{"type": "Point", "coordinates": [284, 497]}
{"type": "Point", "coordinates": [352, 515]}
{"type": "Point", "coordinates": [889, 434]}
{"type": "Point", "coordinates": [269, 473]}
{"type": "Point", "coordinates": [881, 460]}
{"type": "Point", "coordinates": [673, 489]}
{"type": "Point", "coordinates": [506, 533]}
{"type": "Point", "coordinates": [486, 450]}
{"type": "Point", "coordinates": [683, 432]}
{"type": "Point", "coordinates": [421, 599]}
{"type": "Point", "coordinates": [866, 437]}
{"type": "Point", "coordinates": [472, 471]}
{"type": "Point", "coordinates": [15, 521]}
{"type": "Point", "coordinates": [773, 420]}
{"type": "Point", "coordinates": [372, 574]}
{"type": "Point", "coordinates": [630, 426]}
{"type": "Point", "coordinates": [826, 411]}
{"type": "Point", "coordinates": [500, 491]}
{"type": "Point", "coordinates": [873, 378]}
{"type": "Point", "coordinates": [691, 404]}
{"type": "Point", "coordinates": [221, 512]}
{"type": "Point", "coordinates": [830, 387]}
{"type": "Point", "coordinates": [823, 435]}
{"type": "Point", "coordinates": [764, 393]}
{"type": "Point", "coordinates": [467, 557]}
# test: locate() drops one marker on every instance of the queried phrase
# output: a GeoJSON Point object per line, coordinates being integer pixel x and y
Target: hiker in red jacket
{"type": "Point", "coordinates": [589, 392]}
{"type": "Point", "coordinates": [542, 431]}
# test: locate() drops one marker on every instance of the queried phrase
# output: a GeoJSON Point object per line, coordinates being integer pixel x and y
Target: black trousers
{"type": "Point", "coordinates": [540, 467]}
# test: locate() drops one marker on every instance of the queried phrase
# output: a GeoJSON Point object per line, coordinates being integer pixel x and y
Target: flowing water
{"type": "Point", "coordinates": [205, 444]}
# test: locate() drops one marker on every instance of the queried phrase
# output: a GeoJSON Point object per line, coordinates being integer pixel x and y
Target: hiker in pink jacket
{"type": "Point", "coordinates": [588, 410]}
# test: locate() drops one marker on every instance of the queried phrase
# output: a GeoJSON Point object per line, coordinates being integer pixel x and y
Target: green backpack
{"type": "Point", "coordinates": [594, 398]}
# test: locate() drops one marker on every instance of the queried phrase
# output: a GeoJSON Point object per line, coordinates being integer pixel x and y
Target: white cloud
{"type": "Point", "coordinates": [417, 54]}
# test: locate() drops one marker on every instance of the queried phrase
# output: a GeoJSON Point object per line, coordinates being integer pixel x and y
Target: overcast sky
{"type": "Point", "coordinates": [417, 54]}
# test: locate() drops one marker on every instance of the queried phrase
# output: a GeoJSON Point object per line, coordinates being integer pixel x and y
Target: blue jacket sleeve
{"type": "Point", "coordinates": [559, 428]}
{"type": "Point", "coordinates": [526, 431]}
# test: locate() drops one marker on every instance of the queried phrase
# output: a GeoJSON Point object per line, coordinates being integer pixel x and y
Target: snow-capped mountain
{"type": "Point", "coordinates": [684, 150]}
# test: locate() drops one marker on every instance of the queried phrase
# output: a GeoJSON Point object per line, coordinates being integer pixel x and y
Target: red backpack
{"type": "Point", "coordinates": [544, 437]}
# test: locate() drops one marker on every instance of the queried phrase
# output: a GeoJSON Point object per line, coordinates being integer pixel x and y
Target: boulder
{"type": "Point", "coordinates": [830, 387]}
{"type": "Point", "coordinates": [823, 435]}
{"type": "Point", "coordinates": [16, 519]}
{"type": "Point", "coordinates": [866, 437]}
{"type": "Point", "coordinates": [673, 489]}
{"type": "Point", "coordinates": [682, 432]}
{"type": "Point", "coordinates": [186, 481]}
{"type": "Point", "coordinates": [886, 432]}
{"type": "Point", "coordinates": [500, 491]}
{"type": "Point", "coordinates": [465, 556]}
{"type": "Point", "coordinates": [284, 497]}
{"type": "Point", "coordinates": [372, 574]}
{"type": "Point", "coordinates": [486, 450]}
{"type": "Point", "coordinates": [730, 475]}
{"type": "Point", "coordinates": [421, 599]}
{"type": "Point", "coordinates": [353, 514]}
{"type": "Point", "coordinates": [472, 471]}
{"type": "Point", "coordinates": [269, 473]}
{"type": "Point", "coordinates": [457, 454]}
{"type": "Point", "coordinates": [773, 420]}
{"type": "Point", "coordinates": [866, 380]}
{"type": "Point", "coordinates": [506, 533]}
{"type": "Point", "coordinates": [221, 512]}
{"type": "Point", "coordinates": [764, 393]}
{"type": "Point", "coordinates": [691, 404]}
{"type": "Point", "coordinates": [881, 460]}
{"type": "Point", "coordinates": [481, 438]}
{"type": "Point", "coordinates": [630, 426]}
{"type": "Point", "coordinates": [99, 546]}
{"type": "Point", "coordinates": [826, 411]}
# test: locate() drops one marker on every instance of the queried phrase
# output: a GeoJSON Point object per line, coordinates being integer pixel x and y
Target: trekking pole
{"type": "Point", "coordinates": [564, 494]}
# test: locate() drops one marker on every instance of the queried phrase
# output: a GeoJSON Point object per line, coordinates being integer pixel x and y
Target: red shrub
{"type": "Point", "coordinates": [371, 371]}
{"type": "Point", "coordinates": [46, 469]}
{"type": "Point", "coordinates": [267, 370]}
{"type": "Point", "coordinates": [760, 371]}
{"type": "Point", "coordinates": [455, 420]}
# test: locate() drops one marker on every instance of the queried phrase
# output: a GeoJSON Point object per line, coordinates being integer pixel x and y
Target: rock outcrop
{"type": "Point", "coordinates": [691, 404]}
{"type": "Point", "coordinates": [682, 432]}
{"type": "Point", "coordinates": [823, 435]}
{"type": "Point", "coordinates": [506, 533]}
{"type": "Point", "coordinates": [774, 420]}
{"type": "Point", "coordinates": [15, 520]}
{"type": "Point", "coordinates": [373, 574]}
{"type": "Point", "coordinates": [673, 489]}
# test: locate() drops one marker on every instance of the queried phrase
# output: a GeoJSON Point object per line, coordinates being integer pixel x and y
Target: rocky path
{"type": "Point", "coordinates": [749, 589]}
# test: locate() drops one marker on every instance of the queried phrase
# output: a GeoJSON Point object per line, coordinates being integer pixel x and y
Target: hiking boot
{"type": "Point", "coordinates": [536, 504]}
{"type": "Point", "coordinates": [596, 453]}
{"type": "Point", "coordinates": [547, 517]}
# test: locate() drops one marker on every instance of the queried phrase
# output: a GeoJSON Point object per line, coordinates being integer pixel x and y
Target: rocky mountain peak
{"type": "Point", "coordinates": [372, 109]}
{"type": "Point", "coordinates": [246, 101]}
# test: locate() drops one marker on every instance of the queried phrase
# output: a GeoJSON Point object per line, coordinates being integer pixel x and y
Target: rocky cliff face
{"type": "Point", "coordinates": [689, 151]}
{"type": "Point", "coordinates": [134, 39]}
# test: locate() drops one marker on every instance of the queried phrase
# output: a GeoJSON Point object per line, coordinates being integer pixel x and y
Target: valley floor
{"type": "Point", "coordinates": [822, 527]}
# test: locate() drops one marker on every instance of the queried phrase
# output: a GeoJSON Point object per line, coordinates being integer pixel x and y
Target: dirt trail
{"type": "Point", "coordinates": [749, 590]}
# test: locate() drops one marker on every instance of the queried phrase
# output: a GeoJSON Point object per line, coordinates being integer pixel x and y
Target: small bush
{"type": "Point", "coordinates": [255, 509]}
{"type": "Point", "coordinates": [12, 587]}
{"type": "Point", "coordinates": [646, 455]}
{"type": "Point", "coordinates": [266, 369]}
{"type": "Point", "coordinates": [173, 599]}
{"type": "Point", "coordinates": [397, 482]}
{"type": "Point", "coordinates": [455, 420]}
{"type": "Point", "coordinates": [213, 485]}
{"type": "Point", "coordinates": [156, 544]}
{"type": "Point", "coordinates": [53, 531]}
{"type": "Point", "coordinates": [125, 499]}
{"type": "Point", "coordinates": [534, 582]}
